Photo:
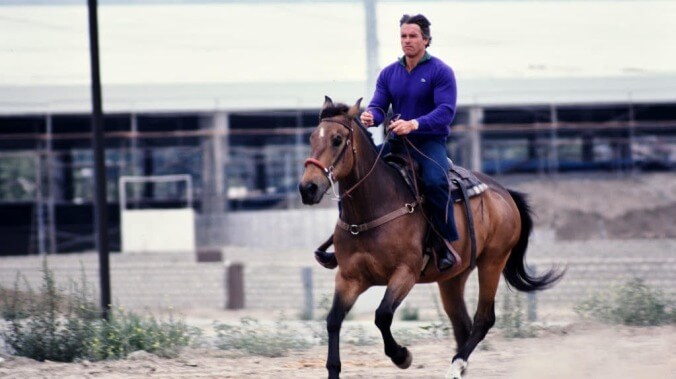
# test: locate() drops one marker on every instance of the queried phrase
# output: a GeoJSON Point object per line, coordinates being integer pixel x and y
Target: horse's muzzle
{"type": "Point", "coordinates": [309, 192]}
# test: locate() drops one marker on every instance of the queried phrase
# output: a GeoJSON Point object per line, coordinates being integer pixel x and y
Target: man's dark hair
{"type": "Point", "coordinates": [422, 22]}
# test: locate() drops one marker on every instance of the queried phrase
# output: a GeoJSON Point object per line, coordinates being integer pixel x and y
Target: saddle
{"type": "Point", "coordinates": [461, 178]}
{"type": "Point", "coordinates": [464, 185]}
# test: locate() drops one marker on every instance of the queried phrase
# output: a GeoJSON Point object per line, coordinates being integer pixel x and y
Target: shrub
{"type": "Point", "coordinates": [14, 303]}
{"type": "Point", "coordinates": [442, 326]}
{"type": "Point", "coordinates": [251, 337]}
{"type": "Point", "coordinates": [409, 313]}
{"type": "Point", "coordinates": [126, 332]}
{"type": "Point", "coordinates": [358, 335]}
{"type": "Point", "coordinates": [512, 318]}
{"type": "Point", "coordinates": [44, 334]}
{"type": "Point", "coordinates": [438, 329]}
{"type": "Point", "coordinates": [632, 303]}
{"type": "Point", "coordinates": [59, 327]}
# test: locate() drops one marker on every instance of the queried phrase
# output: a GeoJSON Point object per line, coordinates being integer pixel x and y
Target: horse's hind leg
{"type": "Point", "coordinates": [344, 297]}
{"type": "Point", "coordinates": [453, 298]}
{"type": "Point", "coordinates": [484, 318]}
{"type": "Point", "coordinates": [399, 286]}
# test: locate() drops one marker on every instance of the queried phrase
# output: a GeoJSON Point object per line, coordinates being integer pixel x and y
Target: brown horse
{"type": "Point", "coordinates": [391, 254]}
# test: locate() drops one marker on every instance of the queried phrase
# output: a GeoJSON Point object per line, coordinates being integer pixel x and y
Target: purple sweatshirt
{"type": "Point", "coordinates": [427, 93]}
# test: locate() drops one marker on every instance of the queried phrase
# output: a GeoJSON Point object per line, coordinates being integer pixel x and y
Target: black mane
{"type": "Point", "coordinates": [370, 137]}
{"type": "Point", "coordinates": [341, 109]}
{"type": "Point", "coordinates": [336, 110]}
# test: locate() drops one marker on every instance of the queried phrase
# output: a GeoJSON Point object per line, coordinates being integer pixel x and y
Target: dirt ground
{"type": "Point", "coordinates": [579, 350]}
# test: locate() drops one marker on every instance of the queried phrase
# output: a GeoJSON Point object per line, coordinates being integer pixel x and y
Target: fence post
{"type": "Point", "coordinates": [532, 306]}
{"type": "Point", "coordinates": [235, 286]}
{"type": "Point", "coordinates": [532, 299]}
{"type": "Point", "coordinates": [308, 305]}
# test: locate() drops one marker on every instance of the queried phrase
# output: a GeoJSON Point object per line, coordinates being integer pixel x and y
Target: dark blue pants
{"type": "Point", "coordinates": [434, 177]}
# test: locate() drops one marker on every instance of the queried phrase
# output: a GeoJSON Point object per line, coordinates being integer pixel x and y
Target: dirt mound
{"type": "Point", "coordinates": [648, 223]}
{"type": "Point", "coordinates": [603, 205]}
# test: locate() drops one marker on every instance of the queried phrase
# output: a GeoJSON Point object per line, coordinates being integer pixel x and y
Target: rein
{"type": "Point", "coordinates": [355, 229]}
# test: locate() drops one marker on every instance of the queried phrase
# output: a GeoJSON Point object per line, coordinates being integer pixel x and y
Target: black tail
{"type": "Point", "coordinates": [516, 272]}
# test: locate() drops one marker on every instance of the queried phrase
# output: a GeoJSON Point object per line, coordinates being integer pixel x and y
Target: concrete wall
{"type": "Point", "coordinates": [270, 229]}
{"type": "Point", "coordinates": [157, 230]}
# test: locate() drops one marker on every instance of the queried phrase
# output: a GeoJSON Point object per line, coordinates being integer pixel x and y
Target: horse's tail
{"type": "Point", "coordinates": [516, 272]}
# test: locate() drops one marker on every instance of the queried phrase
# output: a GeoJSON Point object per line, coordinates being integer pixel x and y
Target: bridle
{"type": "Point", "coordinates": [355, 229]}
{"type": "Point", "coordinates": [328, 171]}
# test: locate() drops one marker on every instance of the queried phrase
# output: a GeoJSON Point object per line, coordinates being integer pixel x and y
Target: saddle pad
{"type": "Point", "coordinates": [457, 174]}
{"type": "Point", "coordinates": [468, 179]}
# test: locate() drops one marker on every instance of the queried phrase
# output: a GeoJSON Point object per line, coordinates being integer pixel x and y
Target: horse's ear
{"type": "Point", "coordinates": [354, 110]}
{"type": "Point", "coordinates": [328, 103]}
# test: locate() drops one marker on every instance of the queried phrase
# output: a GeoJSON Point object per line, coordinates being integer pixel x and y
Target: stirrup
{"type": "Point", "coordinates": [445, 262]}
{"type": "Point", "coordinates": [449, 254]}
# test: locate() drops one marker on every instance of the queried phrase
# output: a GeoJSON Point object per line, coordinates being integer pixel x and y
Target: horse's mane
{"type": "Point", "coordinates": [341, 109]}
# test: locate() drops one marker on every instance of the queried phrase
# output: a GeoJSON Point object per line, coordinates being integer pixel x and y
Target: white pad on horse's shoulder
{"type": "Point", "coordinates": [457, 369]}
{"type": "Point", "coordinates": [426, 259]}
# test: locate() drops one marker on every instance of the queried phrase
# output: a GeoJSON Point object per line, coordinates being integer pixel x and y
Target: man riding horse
{"type": "Point", "coordinates": [380, 235]}
{"type": "Point", "coordinates": [421, 90]}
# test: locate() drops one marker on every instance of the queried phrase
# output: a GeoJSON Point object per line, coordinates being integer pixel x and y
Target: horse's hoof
{"type": "Point", "coordinates": [407, 362]}
{"type": "Point", "coordinates": [458, 368]}
{"type": "Point", "coordinates": [326, 259]}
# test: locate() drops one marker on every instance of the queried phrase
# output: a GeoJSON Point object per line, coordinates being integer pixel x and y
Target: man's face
{"type": "Point", "coordinates": [412, 41]}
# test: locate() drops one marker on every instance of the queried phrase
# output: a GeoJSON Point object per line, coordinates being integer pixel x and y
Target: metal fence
{"type": "Point", "coordinates": [178, 281]}
{"type": "Point", "coordinates": [49, 188]}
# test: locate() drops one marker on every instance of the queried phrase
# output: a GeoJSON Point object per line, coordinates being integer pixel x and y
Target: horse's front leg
{"type": "Point", "coordinates": [344, 297]}
{"type": "Point", "coordinates": [398, 287]}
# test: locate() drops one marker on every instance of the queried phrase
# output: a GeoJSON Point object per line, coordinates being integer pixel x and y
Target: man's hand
{"type": "Point", "coordinates": [402, 127]}
{"type": "Point", "coordinates": [366, 118]}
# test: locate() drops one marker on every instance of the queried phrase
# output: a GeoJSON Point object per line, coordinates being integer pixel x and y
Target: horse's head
{"type": "Point", "coordinates": [332, 154]}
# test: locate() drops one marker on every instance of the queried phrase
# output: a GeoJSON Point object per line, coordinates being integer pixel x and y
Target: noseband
{"type": "Point", "coordinates": [328, 171]}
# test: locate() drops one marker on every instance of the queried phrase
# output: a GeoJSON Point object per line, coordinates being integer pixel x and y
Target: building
{"type": "Point", "coordinates": [228, 93]}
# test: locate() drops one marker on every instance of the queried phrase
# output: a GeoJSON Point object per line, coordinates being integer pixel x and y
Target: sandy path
{"type": "Point", "coordinates": [576, 351]}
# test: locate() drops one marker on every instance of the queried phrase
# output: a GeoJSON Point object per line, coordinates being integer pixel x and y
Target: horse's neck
{"type": "Point", "coordinates": [372, 197]}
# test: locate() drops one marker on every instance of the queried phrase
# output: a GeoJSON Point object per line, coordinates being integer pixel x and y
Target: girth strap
{"type": "Point", "coordinates": [355, 229]}
{"type": "Point", "coordinates": [470, 222]}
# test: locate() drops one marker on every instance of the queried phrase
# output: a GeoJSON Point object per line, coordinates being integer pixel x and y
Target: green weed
{"type": "Point", "coordinates": [512, 319]}
{"type": "Point", "coordinates": [632, 303]}
{"type": "Point", "coordinates": [409, 313]}
{"type": "Point", "coordinates": [58, 326]}
{"type": "Point", "coordinates": [255, 339]}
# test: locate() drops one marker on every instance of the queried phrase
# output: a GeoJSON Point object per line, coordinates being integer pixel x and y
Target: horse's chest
{"type": "Point", "coordinates": [367, 266]}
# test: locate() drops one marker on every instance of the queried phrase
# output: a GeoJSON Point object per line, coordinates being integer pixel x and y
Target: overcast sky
{"type": "Point", "coordinates": [304, 41]}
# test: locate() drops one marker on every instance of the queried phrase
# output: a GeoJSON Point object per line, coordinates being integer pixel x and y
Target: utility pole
{"type": "Point", "coordinates": [101, 210]}
{"type": "Point", "coordinates": [372, 59]}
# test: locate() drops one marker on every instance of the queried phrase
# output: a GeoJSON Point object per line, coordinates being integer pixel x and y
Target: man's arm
{"type": "Point", "coordinates": [445, 94]}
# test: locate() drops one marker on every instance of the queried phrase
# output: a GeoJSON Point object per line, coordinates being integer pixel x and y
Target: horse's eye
{"type": "Point", "coordinates": [337, 140]}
